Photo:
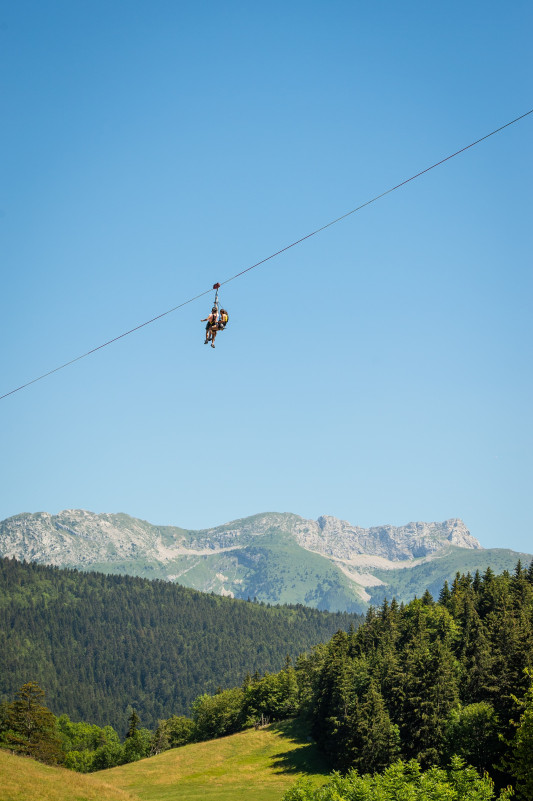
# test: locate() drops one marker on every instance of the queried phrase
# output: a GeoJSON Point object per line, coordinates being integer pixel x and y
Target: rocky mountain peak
{"type": "Point", "coordinates": [341, 539]}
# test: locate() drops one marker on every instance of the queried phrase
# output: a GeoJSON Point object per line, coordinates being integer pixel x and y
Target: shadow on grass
{"type": "Point", "coordinates": [305, 759]}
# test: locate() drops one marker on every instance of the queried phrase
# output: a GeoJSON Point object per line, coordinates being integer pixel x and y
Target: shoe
{"type": "Point", "coordinates": [205, 343]}
{"type": "Point", "coordinates": [212, 346]}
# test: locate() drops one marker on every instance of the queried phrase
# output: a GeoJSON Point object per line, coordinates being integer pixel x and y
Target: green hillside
{"type": "Point", "coordinates": [255, 765]}
{"type": "Point", "coordinates": [275, 569]}
{"type": "Point", "coordinates": [251, 766]}
{"type": "Point", "coordinates": [23, 779]}
{"type": "Point", "coordinates": [278, 570]}
{"type": "Point", "coordinates": [406, 583]}
{"type": "Point", "coordinates": [102, 644]}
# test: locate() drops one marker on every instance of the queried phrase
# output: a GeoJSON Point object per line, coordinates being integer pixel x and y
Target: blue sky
{"type": "Point", "coordinates": [379, 372]}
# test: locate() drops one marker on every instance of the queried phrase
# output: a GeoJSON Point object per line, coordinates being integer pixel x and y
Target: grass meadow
{"type": "Point", "coordinates": [23, 779]}
{"type": "Point", "coordinates": [250, 766]}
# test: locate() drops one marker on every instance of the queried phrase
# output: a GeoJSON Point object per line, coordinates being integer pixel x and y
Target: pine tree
{"type": "Point", "coordinates": [430, 693]}
{"type": "Point", "coordinates": [390, 670]}
{"type": "Point", "coordinates": [374, 743]}
{"type": "Point", "coordinates": [521, 590]}
{"type": "Point", "coordinates": [475, 658]}
{"type": "Point", "coordinates": [335, 698]}
{"type": "Point", "coordinates": [133, 724]}
{"type": "Point", "coordinates": [472, 733]}
{"type": "Point", "coordinates": [512, 652]}
{"type": "Point", "coordinates": [427, 598]}
{"type": "Point", "coordinates": [33, 725]}
{"type": "Point", "coordinates": [445, 594]}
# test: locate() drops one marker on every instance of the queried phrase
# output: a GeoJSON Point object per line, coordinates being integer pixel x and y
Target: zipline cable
{"type": "Point", "coordinates": [378, 197]}
{"type": "Point", "coordinates": [105, 344]}
{"type": "Point", "coordinates": [272, 256]}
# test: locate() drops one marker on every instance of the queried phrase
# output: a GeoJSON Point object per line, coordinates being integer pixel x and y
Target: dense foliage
{"type": "Point", "coordinates": [28, 727]}
{"type": "Point", "coordinates": [103, 644]}
{"type": "Point", "coordinates": [403, 780]}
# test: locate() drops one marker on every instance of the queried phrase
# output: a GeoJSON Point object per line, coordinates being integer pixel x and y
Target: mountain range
{"type": "Point", "coordinates": [273, 557]}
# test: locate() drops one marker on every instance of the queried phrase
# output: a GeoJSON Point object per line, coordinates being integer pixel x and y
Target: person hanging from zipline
{"type": "Point", "coordinates": [215, 321]}
{"type": "Point", "coordinates": [223, 319]}
{"type": "Point", "coordinates": [211, 327]}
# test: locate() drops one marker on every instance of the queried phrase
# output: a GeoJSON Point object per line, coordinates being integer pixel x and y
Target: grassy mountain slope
{"type": "Point", "coordinates": [23, 779]}
{"type": "Point", "coordinates": [251, 766]}
{"type": "Point", "coordinates": [405, 583]}
{"type": "Point", "coordinates": [277, 570]}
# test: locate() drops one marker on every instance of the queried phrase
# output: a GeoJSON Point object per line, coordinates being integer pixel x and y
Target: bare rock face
{"type": "Point", "coordinates": [415, 540]}
{"type": "Point", "coordinates": [75, 537]}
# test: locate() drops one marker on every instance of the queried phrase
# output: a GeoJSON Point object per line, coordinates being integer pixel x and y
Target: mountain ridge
{"type": "Point", "coordinates": [339, 538]}
{"type": "Point", "coordinates": [277, 557]}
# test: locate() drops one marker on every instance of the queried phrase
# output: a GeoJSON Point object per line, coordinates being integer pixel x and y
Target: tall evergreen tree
{"type": "Point", "coordinates": [33, 725]}
{"type": "Point", "coordinates": [472, 732]}
{"type": "Point", "coordinates": [335, 697]}
{"type": "Point", "coordinates": [374, 742]}
{"type": "Point", "coordinates": [133, 723]}
{"type": "Point", "coordinates": [430, 693]}
{"type": "Point", "coordinates": [445, 594]}
{"type": "Point", "coordinates": [474, 653]}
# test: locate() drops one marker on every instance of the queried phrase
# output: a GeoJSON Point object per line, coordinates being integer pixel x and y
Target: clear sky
{"type": "Point", "coordinates": [379, 372]}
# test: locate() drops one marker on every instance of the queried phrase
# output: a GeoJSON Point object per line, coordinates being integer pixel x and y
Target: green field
{"type": "Point", "coordinates": [23, 779]}
{"type": "Point", "coordinates": [250, 766]}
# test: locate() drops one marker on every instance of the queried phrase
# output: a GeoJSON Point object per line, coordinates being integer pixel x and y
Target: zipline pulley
{"type": "Point", "coordinates": [216, 287]}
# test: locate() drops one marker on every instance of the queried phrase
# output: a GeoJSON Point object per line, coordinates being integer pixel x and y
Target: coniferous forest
{"type": "Point", "coordinates": [101, 645]}
{"type": "Point", "coordinates": [431, 679]}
